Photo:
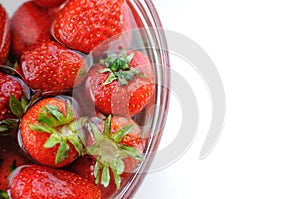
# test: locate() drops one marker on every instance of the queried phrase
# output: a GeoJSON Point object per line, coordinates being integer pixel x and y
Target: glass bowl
{"type": "Point", "coordinates": [148, 37]}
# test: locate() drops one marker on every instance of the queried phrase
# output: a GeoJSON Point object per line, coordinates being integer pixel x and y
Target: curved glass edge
{"type": "Point", "coordinates": [158, 45]}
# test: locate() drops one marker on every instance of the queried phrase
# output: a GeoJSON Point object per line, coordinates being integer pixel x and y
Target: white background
{"type": "Point", "coordinates": [255, 46]}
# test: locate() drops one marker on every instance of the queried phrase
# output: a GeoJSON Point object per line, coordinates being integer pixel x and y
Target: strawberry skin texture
{"type": "Point", "coordinates": [84, 24]}
{"type": "Point", "coordinates": [29, 24]}
{"type": "Point", "coordinates": [49, 3]}
{"type": "Point", "coordinates": [122, 100]}
{"type": "Point", "coordinates": [8, 86]}
{"type": "Point", "coordinates": [50, 67]}
{"type": "Point", "coordinates": [5, 35]}
{"type": "Point", "coordinates": [33, 141]}
{"type": "Point", "coordinates": [37, 182]}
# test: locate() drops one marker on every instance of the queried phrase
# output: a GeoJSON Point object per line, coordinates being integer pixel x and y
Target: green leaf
{"type": "Point", "coordinates": [105, 70]}
{"type": "Point", "coordinates": [76, 142]}
{"type": "Point", "coordinates": [70, 114]}
{"type": "Point", "coordinates": [117, 179]}
{"type": "Point", "coordinates": [110, 79]}
{"type": "Point", "coordinates": [52, 141]}
{"type": "Point", "coordinates": [53, 117]}
{"type": "Point", "coordinates": [43, 118]}
{"type": "Point", "coordinates": [96, 133]}
{"type": "Point", "coordinates": [24, 102]}
{"type": "Point", "coordinates": [7, 125]}
{"type": "Point", "coordinates": [97, 172]}
{"type": "Point", "coordinates": [136, 72]}
{"type": "Point", "coordinates": [105, 176]}
{"type": "Point", "coordinates": [107, 126]}
{"type": "Point", "coordinates": [121, 133]}
{"type": "Point", "coordinates": [62, 152]}
{"type": "Point", "coordinates": [131, 151]}
{"type": "Point", "coordinates": [42, 128]}
{"type": "Point", "coordinates": [3, 195]}
{"type": "Point", "coordinates": [55, 112]}
{"type": "Point", "coordinates": [15, 106]}
{"type": "Point", "coordinates": [119, 166]}
{"type": "Point", "coordinates": [130, 57]}
{"type": "Point", "coordinates": [13, 166]}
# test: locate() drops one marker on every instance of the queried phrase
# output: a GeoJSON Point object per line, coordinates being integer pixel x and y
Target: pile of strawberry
{"type": "Point", "coordinates": [68, 106]}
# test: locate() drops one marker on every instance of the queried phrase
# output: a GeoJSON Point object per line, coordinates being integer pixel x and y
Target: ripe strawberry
{"type": "Point", "coordinates": [83, 25]}
{"type": "Point", "coordinates": [50, 67]}
{"type": "Point", "coordinates": [49, 133]}
{"type": "Point", "coordinates": [49, 3]}
{"type": "Point", "coordinates": [5, 35]}
{"type": "Point", "coordinates": [122, 85]}
{"type": "Point", "coordinates": [29, 24]}
{"type": "Point", "coordinates": [10, 158]}
{"type": "Point", "coordinates": [113, 156]}
{"type": "Point", "coordinates": [12, 101]}
{"type": "Point", "coordinates": [37, 182]}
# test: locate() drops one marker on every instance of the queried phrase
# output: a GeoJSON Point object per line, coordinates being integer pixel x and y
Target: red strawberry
{"type": "Point", "coordinates": [122, 85]}
{"type": "Point", "coordinates": [114, 155]}
{"type": "Point", "coordinates": [5, 36]}
{"type": "Point", "coordinates": [37, 182]}
{"type": "Point", "coordinates": [49, 3]}
{"type": "Point", "coordinates": [12, 101]}
{"type": "Point", "coordinates": [49, 133]}
{"type": "Point", "coordinates": [29, 24]}
{"type": "Point", "coordinates": [83, 25]}
{"type": "Point", "coordinates": [50, 67]}
{"type": "Point", "coordinates": [10, 158]}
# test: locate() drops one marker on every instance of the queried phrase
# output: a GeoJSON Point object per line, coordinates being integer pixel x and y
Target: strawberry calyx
{"type": "Point", "coordinates": [3, 195]}
{"type": "Point", "coordinates": [118, 67]}
{"type": "Point", "coordinates": [62, 129]}
{"type": "Point", "coordinates": [109, 152]}
{"type": "Point", "coordinates": [17, 107]}
{"type": "Point", "coordinates": [7, 125]}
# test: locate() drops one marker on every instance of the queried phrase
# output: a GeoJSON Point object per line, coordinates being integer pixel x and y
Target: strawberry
{"type": "Point", "coordinates": [49, 134]}
{"type": "Point", "coordinates": [10, 158]}
{"type": "Point", "coordinates": [29, 24]}
{"type": "Point", "coordinates": [84, 24]}
{"type": "Point", "coordinates": [12, 101]}
{"type": "Point", "coordinates": [5, 35]}
{"type": "Point", "coordinates": [50, 67]}
{"type": "Point", "coordinates": [122, 84]}
{"type": "Point", "coordinates": [49, 3]}
{"type": "Point", "coordinates": [113, 156]}
{"type": "Point", "coordinates": [37, 182]}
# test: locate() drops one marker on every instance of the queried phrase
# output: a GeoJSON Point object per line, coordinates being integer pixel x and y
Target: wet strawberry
{"type": "Point", "coordinates": [113, 156]}
{"type": "Point", "coordinates": [51, 67]}
{"type": "Point", "coordinates": [12, 101]}
{"type": "Point", "coordinates": [5, 35]}
{"type": "Point", "coordinates": [29, 24]}
{"type": "Point", "coordinates": [52, 183]}
{"type": "Point", "coordinates": [84, 25]}
{"type": "Point", "coordinates": [122, 84]}
{"type": "Point", "coordinates": [49, 133]}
